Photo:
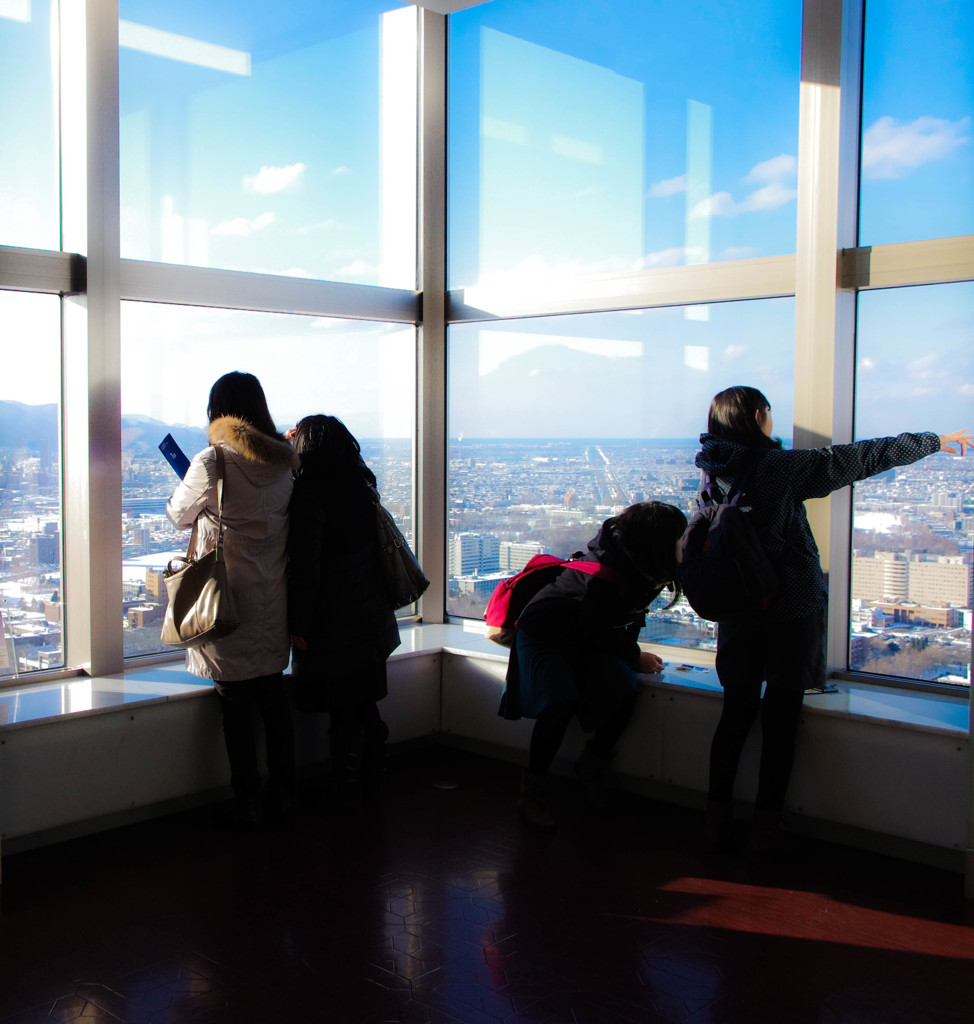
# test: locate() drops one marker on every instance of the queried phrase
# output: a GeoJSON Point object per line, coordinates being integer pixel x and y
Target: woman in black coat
{"type": "Point", "coordinates": [343, 627]}
{"type": "Point", "coordinates": [783, 646]}
{"type": "Point", "coordinates": [576, 650]}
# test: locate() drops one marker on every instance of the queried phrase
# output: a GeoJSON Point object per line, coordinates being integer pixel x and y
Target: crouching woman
{"type": "Point", "coordinates": [575, 650]}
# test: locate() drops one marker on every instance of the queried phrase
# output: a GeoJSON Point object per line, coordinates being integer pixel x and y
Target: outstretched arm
{"type": "Point", "coordinates": [962, 438]}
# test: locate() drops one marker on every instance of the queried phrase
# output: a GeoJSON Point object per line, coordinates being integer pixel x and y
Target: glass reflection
{"type": "Point", "coordinates": [656, 134]}
{"type": "Point", "coordinates": [28, 124]}
{"type": "Point", "coordinates": [271, 138]}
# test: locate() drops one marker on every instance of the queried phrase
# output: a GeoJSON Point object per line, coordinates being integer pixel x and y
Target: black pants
{"type": "Point", "coordinates": [790, 658]}
{"type": "Point", "coordinates": [239, 701]}
{"type": "Point", "coordinates": [552, 724]}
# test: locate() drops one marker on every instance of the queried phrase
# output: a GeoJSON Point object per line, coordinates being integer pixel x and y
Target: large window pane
{"type": "Point", "coordinates": [914, 526]}
{"type": "Point", "coordinates": [362, 372]}
{"type": "Point", "coordinates": [602, 137]}
{"type": "Point", "coordinates": [270, 137]}
{"type": "Point", "coordinates": [917, 109]}
{"type": "Point", "coordinates": [557, 423]}
{"type": "Point", "coordinates": [31, 607]}
{"type": "Point", "coordinates": [28, 125]}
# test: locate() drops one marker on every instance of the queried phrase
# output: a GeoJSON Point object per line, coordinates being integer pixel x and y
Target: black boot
{"type": "Point", "coordinates": [374, 737]}
{"type": "Point", "coordinates": [346, 767]}
{"type": "Point", "coordinates": [533, 804]}
{"type": "Point", "coordinates": [719, 833]}
{"type": "Point", "coordinates": [591, 770]}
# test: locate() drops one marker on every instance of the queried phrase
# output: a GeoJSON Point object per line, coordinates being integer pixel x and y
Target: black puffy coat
{"type": "Point", "coordinates": [575, 616]}
{"type": "Point", "coordinates": [577, 608]}
{"type": "Point", "coordinates": [782, 480]}
{"type": "Point", "coordinates": [337, 599]}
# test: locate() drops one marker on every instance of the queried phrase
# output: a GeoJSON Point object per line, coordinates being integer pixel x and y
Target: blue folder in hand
{"type": "Point", "coordinates": [174, 454]}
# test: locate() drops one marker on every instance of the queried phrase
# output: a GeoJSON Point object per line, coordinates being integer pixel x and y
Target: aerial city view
{"type": "Point", "coordinates": [911, 583]}
{"type": "Point", "coordinates": [508, 499]}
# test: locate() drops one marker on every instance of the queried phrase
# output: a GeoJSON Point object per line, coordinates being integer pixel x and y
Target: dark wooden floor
{"type": "Point", "coordinates": [442, 908]}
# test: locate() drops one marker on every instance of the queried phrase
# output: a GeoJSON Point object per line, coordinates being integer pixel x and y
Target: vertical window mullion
{"type": "Point", "coordinates": [91, 407]}
{"type": "Point", "coordinates": [431, 376]}
{"type": "Point", "coordinates": [824, 315]}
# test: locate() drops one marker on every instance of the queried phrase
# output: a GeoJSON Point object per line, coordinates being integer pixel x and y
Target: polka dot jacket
{"type": "Point", "coordinates": [781, 482]}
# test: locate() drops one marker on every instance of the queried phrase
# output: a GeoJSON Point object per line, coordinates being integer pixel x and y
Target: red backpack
{"type": "Point", "coordinates": [510, 596]}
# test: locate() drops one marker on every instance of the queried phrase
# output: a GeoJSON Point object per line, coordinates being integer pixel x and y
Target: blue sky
{"type": "Point", "coordinates": [585, 136]}
{"type": "Point", "coordinates": [595, 96]}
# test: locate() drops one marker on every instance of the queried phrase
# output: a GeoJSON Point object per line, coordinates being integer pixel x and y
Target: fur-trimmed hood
{"type": "Point", "coordinates": [262, 458]}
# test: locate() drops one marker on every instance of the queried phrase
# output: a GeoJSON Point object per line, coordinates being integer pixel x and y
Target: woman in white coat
{"type": "Point", "coordinates": [246, 666]}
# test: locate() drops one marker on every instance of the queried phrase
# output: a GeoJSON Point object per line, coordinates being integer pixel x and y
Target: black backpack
{"type": "Point", "coordinates": [725, 573]}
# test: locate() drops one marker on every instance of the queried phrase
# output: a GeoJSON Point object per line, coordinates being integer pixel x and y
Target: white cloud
{"type": "Point", "coordinates": [890, 150]}
{"type": "Point", "coordinates": [241, 227]}
{"type": "Point", "coordinates": [768, 197]}
{"type": "Point", "coordinates": [668, 187]}
{"type": "Point", "coordinates": [924, 368]}
{"type": "Point", "coordinates": [774, 169]}
{"type": "Point", "coordinates": [720, 204]}
{"type": "Point", "coordinates": [777, 174]}
{"type": "Point", "coordinates": [358, 270]}
{"type": "Point", "coordinates": [867, 364]}
{"type": "Point", "coordinates": [340, 172]}
{"type": "Point", "coordinates": [696, 357]}
{"type": "Point", "coordinates": [274, 179]}
{"type": "Point", "coordinates": [674, 257]}
{"type": "Point", "coordinates": [966, 389]}
{"type": "Point", "coordinates": [321, 225]}
{"type": "Point", "coordinates": [733, 352]}
{"type": "Point", "coordinates": [737, 252]}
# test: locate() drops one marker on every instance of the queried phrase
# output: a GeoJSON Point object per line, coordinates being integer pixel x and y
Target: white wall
{"type": "Point", "coordinates": [893, 787]}
{"type": "Point", "coordinates": [78, 773]}
{"type": "Point", "coordinates": [858, 779]}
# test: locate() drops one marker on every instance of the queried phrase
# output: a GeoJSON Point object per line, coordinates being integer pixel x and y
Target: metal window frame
{"type": "Point", "coordinates": [825, 275]}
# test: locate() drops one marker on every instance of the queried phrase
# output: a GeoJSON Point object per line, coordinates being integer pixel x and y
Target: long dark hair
{"type": "Point", "coordinates": [327, 444]}
{"type": "Point", "coordinates": [240, 394]}
{"type": "Point", "coordinates": [733, 417]}
{"type": "Point", "coordinates": [647, 532]}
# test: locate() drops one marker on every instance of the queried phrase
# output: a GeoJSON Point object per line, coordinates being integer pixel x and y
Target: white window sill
{"type": "Point", "coordinates": [170, 681]}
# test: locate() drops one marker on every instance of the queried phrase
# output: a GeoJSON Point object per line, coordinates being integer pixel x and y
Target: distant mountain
{"type": "Point", "coordinates": [33, 425]}
{"type": "Point", "coordinates": [28, 425]}
{"type": "Point", "coordinates": [145, 431]}
{"type": "Point", "coordinates": [558, 390]}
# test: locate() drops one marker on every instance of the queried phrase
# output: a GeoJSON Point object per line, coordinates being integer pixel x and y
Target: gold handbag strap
{"type": "Point", "coordinates": [219, 495]}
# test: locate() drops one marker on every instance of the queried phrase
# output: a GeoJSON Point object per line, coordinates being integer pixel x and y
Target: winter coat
{"type": "Point", "coordinates": [575, 615]}
{"type": "Point", "coordinates": [781, 482]}
{"type": "Point", "coordinates": [601, 613]}
{"type": "Point", "coordinates": [337, 597]}
{"type": "Point", "coordinates": [257, 482]}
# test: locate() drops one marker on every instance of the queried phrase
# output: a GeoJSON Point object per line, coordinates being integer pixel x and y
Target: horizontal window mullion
{"type": "Point", "coordinates": [938, 261]}
{"type": "Point", "coordinates": [769, 277]}
{"type": "Point", "coordinates": [229, 289]}
{"type": "Point", "coordinates": [35, 270]}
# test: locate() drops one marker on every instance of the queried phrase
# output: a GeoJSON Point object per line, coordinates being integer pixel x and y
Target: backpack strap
{"type": "Point", "coordinates": [604, 572]}
{"type": "Point", "coordinates": [742, 480]}
{"type": "Point", "coordinates": [712, 494]}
